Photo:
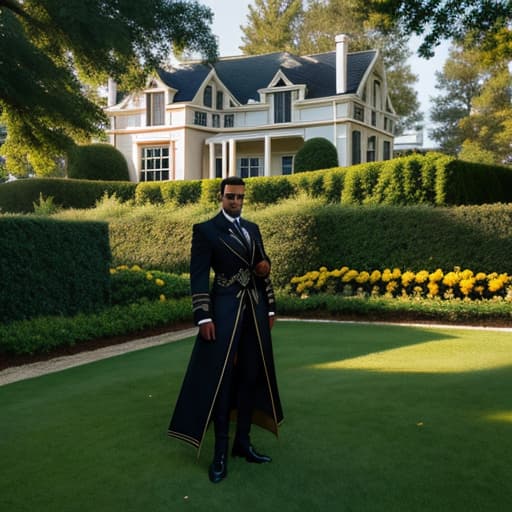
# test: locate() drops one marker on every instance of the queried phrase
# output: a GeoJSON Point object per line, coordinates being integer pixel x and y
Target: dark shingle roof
{"type": "Point", "coordinates": [243, 76]}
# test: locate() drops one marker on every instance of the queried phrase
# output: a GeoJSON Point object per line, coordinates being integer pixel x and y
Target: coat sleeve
{"type": "Point", "coordinates": [200, 261]}
{"type": "Point", "coordinates": [267, 283]}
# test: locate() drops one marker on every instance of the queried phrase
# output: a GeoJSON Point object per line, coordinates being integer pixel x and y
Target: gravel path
{"type": "Point", "coordinates": [28, 371]}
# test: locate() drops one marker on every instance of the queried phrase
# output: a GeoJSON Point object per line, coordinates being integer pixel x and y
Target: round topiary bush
{"type": "Point", "coordinates": [317, 153]}
{"type": "Point", "coordinates": [97, 162]}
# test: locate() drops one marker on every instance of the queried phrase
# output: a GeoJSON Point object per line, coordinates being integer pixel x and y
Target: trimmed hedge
{"type": "Point", "coordinates": [316, 153]}
{"type": "Point", "coordinates": [52, 267]}
{"type": "Point", "coordinates": [19, 196]}
{"type": "Point", "coordinates": [97, 162]}
{"type": "Point", "coordinates": [302, 235]}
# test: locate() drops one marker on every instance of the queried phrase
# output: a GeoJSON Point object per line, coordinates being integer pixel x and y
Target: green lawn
{"type": "Point", "coordinates": [378, 418]}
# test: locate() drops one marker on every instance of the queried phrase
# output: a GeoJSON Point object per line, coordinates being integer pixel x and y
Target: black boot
{"type": "Point", "coordinates": [218, 469]}
{"type": "Point", "coordinates": [247, 450]}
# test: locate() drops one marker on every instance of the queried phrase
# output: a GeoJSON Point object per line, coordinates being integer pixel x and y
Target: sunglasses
{"type": "Point", "coordinates": [231, 197]}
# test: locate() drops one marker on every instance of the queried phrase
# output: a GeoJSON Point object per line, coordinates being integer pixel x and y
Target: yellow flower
{"type": "Point", "coordinates": [421, 276]}
{"type": "Point", "coordinates": [433, 289]}
{"type": "Point", "coordinates": [391, 286]}
{"type": "Point", "coordinates": [407, 278]}
{"type": "Point", "coordinates": [363, 277]}
{"type": "Point", "coordinates": [122, 267]}
{"type": "Point", "coordinates": [466, 285]}
{"type": "Point", "coordinates": [481, 276]}
{"type": "Point", "coordinates": [136, 268]}
{"type": "Point", "coordinates": [495, 285]}
{"type": "Point", "coordinates": [149, 276]}
{"type": "Point", "coordinates": [113, 271]}
{"type": "Point", "coordinates": [162, 298]}
{"type": "Point", "coordinates": [451, 279]}
{"type": "Point", "coordinates": [436, 276]}
{"type": "Point", "coordinates": [349, 276]}
{"type": "Point", "coordinates": [159, 282]}
{"type": "Point", "coordinates": [386, 275]}
{"type": "Point", "coordinates": [375, 276]}
{"type": "Point", "coordinates": [396, 273]}
{"type": "Point", "coordinates": [323, 269]}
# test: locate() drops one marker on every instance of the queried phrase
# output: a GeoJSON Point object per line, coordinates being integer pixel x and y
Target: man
{"type": "Point", "coordinates": [231, 370]}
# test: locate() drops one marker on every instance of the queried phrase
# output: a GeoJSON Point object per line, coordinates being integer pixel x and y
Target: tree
{"type": "Point", "coordinates": [459, 82]}
{"type": "Point", "coordinates": [436, 20]}
{"type": "Point", "coordinates": [317, 27]}
{"type": "Point", "coordinates": [49, 48]}
{"type": "Point", "coordinates": [272, 26]}
{"type": "Point", "coordinates": [316, 153]}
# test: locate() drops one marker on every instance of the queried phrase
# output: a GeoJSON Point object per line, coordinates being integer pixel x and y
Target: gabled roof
{"type": "Point", "coordinates": [243, 76]}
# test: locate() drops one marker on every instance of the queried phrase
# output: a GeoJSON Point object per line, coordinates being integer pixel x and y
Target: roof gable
{"type": "Point", "coordinates": [245, 75]}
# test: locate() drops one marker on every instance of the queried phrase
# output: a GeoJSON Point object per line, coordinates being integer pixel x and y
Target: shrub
{"type": "Point", "coordinates": [316, 153]}
{"type": "Point", "coordinates": [149, 192]}
{"type": "Point", "coordinates": [179, 193]}
{"type": "Point", "coordinates": [97, 162]}
{"type": "Point", "coordinates": [19, 196]}
{"type": "Point", "coordinates": [54, 267]}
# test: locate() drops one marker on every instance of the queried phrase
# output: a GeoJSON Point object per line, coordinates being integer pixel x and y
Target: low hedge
{"type": "Point", "coordinates": [19, 196]}
{"type": "Point", "coordinates": [45, 334]}
{"type": "Point", "coordinates": [52, 267]}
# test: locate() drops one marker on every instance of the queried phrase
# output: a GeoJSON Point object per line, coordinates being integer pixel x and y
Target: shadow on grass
{"type": "Point", "coordinates": [354, 439]}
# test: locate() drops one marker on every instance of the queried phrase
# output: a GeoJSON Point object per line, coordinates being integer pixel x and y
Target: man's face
{"type": "Point", "coordinates": [233, 199]}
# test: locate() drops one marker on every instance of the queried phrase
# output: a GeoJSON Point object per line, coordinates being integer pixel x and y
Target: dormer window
{"type": "Point", "coordinates": [220, 100]}
{"type": "Point", "coordinates": [155, 108]}
{"type": "Point", "coordinates": [207, 96]}
{"type": "Point", "coordinates": [282, 107]}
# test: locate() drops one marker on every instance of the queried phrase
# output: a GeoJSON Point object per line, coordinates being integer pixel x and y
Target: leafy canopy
{"type": "Point", "coordinates": [50, 48]}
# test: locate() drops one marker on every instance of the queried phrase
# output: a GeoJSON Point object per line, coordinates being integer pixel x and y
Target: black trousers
{"type": "Point", "coordinates": [238, 387]}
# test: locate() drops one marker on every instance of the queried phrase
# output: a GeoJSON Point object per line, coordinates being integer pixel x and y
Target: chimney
{"type": "Point", "coordinates": [341, 63]}
{"type": "Point", "coordinates": [112, 92]}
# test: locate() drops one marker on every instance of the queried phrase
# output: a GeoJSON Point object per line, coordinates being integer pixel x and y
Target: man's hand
{"type": "Point", "coordinates": [207, 331]}
{"type": "Point", "coordinates": [262, 269]}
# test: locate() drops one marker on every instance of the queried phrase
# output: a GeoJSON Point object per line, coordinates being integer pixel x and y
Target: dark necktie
{"type": "Point", "coordinates": [240, 231]}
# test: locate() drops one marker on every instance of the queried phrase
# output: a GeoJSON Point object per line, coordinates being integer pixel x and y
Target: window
{"type": "Point", "coordinates": [250, 166]}
{"type": "Point", "coordinates": [374, 118]}
{"type": "Point", "coordinates": [155, 164]}
{"type": "Point", "coordinates": [377, 99]}
{"type": "Point", "coordinates": [220, 100]}
{"type": "Point", "coordinates": [200, 118]}
{"type": "Point", "coordinates": [359, 112]}
{"type": "Point", "coordinates": [282, 107]}
{"type": "Point", "coordinates": [207, 96]}
{"type": "Point", "coordinates": [388, 124]}
{"type": "Point", "coordinates": [370, 150]}
{"type": "Point", "coordinates": [229, 121]}
{"type": "Point", "coordinates": [356, 147]}
{"type": "Point", "coordinates": [287, 164]}
{"type": "Point", "coordinates": [216, 120]}
{"type": "Point", "coordinates": [155, 109]}
{"type": "Point", "coordinates": [386, 150]}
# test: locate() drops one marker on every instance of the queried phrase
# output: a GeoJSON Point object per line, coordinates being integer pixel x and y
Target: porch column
{"type": "Point", "coordinates": [232, 157]}
{"type": "Point", "coordinates": [212, 160]}
{"type": "Point", "coordinates": [224, 159]}
{"type": "Point", "coordinates": [268, 153]}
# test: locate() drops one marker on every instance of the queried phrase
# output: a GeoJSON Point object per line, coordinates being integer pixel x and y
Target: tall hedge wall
{"type": "Point", "coordinates": [51, 267]}
{"type": "Point", "coordinates": [304, 235]}
{"type": "Point", "coordinates": [19, 196]}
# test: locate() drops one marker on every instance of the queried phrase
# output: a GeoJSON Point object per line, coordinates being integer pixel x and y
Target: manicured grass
{"type": "Point", "coordinates": [378, 418]}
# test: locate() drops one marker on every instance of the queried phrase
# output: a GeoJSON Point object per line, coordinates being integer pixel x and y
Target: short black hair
{"type": "Point", "coordinates": [230, 180]}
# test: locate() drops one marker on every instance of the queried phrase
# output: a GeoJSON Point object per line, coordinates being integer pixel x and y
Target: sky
{"type": "Point", "coordinates": [230, 14]}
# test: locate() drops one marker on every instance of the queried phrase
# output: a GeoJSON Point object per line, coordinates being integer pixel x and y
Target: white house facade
{"type": "Point", "coordinates": [248, 116]}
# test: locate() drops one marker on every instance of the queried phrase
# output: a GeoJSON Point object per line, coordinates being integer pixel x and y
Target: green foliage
{"type": "Point", "coordinates": [267, 190]}
{"type": "Point", "coordinates": [134, 285]}
{"type": "Point", "coordinates": [44, 334]}
{"type": "Point", "coordinates": [49, 51]}
{"type": "Point", "coordinates": [148, 192]}
{"type": "Point", "coordinates": [316, 153]}
{"type": "Point", "coordinates": [97, 162]}
{"type": "Point", "coordinates": [53, 267]}
{"type": "Point", "coordinates": [210, 191]}
{"type": "Point", "coordinates": [179, 193]}
{"type": "Point", "coordinates": [19, 196]}
{"type": "Point", "coordinates": [45, 206]}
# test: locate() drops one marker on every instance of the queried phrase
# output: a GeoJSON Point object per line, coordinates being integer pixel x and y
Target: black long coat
{"type": "Point", "coordinates": [236, 291]}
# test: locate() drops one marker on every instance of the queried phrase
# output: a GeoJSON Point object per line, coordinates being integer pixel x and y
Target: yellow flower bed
{"type": "Point", "coordinates": [457, 283]}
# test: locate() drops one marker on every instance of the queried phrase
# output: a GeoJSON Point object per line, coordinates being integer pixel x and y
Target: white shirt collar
{"type": "Point", "coordinates": [231, 219]}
